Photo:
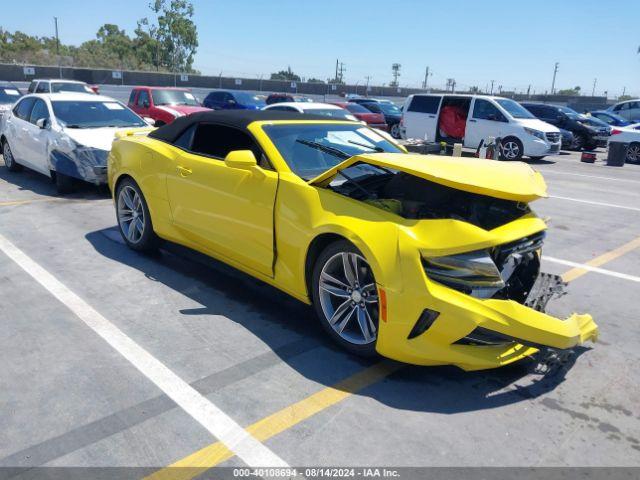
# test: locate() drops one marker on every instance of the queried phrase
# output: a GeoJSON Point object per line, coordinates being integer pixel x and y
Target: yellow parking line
{"type": "Point", "coordinates": [26, 202]}
{"type": "Point", "coordinates": [216, 453]}
{"type": "Point", "coordinates": [601, 260]}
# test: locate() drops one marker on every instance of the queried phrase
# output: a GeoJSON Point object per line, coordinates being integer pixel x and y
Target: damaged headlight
{"type": "Point", "coordinates": [469, 272]}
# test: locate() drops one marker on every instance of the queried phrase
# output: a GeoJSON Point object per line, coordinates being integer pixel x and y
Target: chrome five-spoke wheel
{"type": "Point", "coordinates": [131, 214]}
{"type": "Point", "coordinates": [349, 298]}
{"type": "Point", "coordinates": [511, 150]}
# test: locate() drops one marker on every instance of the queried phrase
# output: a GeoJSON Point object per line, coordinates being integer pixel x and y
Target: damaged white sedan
{"type": "Point", "coordinates": [65, 136]}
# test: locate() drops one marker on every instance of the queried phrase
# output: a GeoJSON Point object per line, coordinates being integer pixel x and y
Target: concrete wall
{"type": "Point", "coordinates": [17, 73]}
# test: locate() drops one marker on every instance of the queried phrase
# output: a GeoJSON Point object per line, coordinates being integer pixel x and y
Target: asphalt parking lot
{"type": "Point", "coordinates": [69, 398]}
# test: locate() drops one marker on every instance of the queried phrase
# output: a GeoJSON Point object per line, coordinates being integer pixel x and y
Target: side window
{"type": "Point", "coordinates": [425, 104]}
{"type": "Point", "coordinates": [623, 106]}
{"type": "Point", "coordinates": [485, 110]}
{"type": "Point", "coordinates": [39, 111]}
{"type": "Point", "coordinates": [634, 105]}
{"type": "Point", "coordinates": [23, 109]}
{"type": "Point", "coordinates": [32, 86]}
{"type": "Point", "coordinates": [218, 140]}
{"type": "Point", "coordinates": [43, 87]}
{"type": "Point", "coordinates": [143, 98]}
{"type": "Point", "coordinates": [185, 140]}
{"type": "Point", "coordinates": [132, 97]}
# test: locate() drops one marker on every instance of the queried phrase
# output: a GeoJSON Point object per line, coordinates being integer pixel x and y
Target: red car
{"type": "Point", "coordinates": [164, 104]}
{"type": "Point", "coordinates": [374, 120]}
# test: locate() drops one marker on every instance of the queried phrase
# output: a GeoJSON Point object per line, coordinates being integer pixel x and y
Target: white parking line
{"type": "Point", "coordinates": [546, 171]}
{"type": "Point", "coordinates": [592, 202]}
{"type": "Point", "coordinates": [218, 423]}
{"type": "Point", "coordinates": [584, 266]}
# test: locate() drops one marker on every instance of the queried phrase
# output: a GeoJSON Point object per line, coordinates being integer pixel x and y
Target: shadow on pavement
{"type": "Point", "coordinates": [450, 390]}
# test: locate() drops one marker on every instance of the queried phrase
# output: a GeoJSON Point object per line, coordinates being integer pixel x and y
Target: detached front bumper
{"type": "Point", "coordinates": [469, 332]}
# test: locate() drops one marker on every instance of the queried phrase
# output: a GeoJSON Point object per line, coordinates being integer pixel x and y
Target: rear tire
{"type": "Point", "coordinates": [633, 153]}
{"type": "Point", "coordinates": [511, 149]}
{"type": "Point", "coordinates": [134, 220]}
{"type": "Point", "coordinates": [345, 298]}
{"type": "Point", "coordinates": [9, 160]}
{"type": "Point", "coordinates": [64, 183]}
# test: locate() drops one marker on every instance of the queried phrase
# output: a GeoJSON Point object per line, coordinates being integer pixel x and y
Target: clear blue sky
{"type": "Point", "coordinates": [474, 41]}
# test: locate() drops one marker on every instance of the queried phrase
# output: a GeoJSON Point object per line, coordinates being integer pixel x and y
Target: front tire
{"type": "Point", "coordinates": [9, 159]}
{"type": "Point", "coordinates": [633, 153]}
{"type": "Point", "coordinates": [134, 220]}
{"type": "Point", "coordinates": [64, 183]}
{"type": "Point", "coordinates": [345, 298]}
{"type": "Point", "coordinates": [511, 149]}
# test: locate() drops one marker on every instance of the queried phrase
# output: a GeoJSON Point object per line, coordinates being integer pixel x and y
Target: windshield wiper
{"type": "Point", "coordinates": [372, 147]}
{"type": "Point", "coordinates": [336, 152]}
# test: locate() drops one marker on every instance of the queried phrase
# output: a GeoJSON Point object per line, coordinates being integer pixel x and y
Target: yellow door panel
{"type": "Point", "coordinates": [224, 209]}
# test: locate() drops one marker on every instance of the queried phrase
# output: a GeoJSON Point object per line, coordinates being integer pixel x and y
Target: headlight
{"type": "Point", "coordinates": [466, 272]}
{"type": "Point", "coordinates": [535, 133]}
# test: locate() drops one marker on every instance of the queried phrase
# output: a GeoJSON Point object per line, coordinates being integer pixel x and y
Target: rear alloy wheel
{"type": "Point", "coordinates": [134, 220]}
{"type": "Point", "coordinates": [345, 298]}
{"type": "Point", "coordinates": [633, 153]}
{"type": "Point", "coordinates": [511, 149]}
{"type": "Point", "coordinates": [9, 160]}
{"type": "Point", "coordinates": [395, 130]}
{"type": "Point", "coordinates": [579, 142]}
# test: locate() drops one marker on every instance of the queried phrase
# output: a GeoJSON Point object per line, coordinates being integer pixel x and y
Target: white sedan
{"type": "Point", "coordinates": [314, 108]}
{"type": "Point", "coordinates": [631, 135]}
{"type": "Point", "coordinates": [64, 135]}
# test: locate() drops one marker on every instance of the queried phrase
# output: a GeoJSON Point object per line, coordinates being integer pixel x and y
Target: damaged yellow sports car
{"type": "Point", "coordinates": [424, 259]}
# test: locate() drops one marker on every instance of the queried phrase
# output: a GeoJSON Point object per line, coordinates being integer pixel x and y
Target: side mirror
{"type": "Point", "coordinates": [241, 159]}
{"type": "Point", "coordinates": [231, 102]}
{"type": "Point", "coordinates": [43, 123]}
{"type": "Point", "coordinates": [145, 104]}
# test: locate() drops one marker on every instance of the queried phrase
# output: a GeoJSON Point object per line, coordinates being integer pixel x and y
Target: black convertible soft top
{"type": "Point", "coordinates": [232, 118]}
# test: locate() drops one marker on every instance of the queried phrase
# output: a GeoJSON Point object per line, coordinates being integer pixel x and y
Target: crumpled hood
{"type": "Point", "coordinates": [515, 181]}
{"type": "Point", "coordinates": [100, 138]}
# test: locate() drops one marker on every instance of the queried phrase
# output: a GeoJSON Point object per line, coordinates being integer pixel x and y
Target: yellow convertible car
{"type": "Point", "coordinates": [424, 259]}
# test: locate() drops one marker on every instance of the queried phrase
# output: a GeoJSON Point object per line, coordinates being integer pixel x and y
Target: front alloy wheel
{"type": "Point", "coordinates": [346, 298]}
{"type": "Point", "coordinates": [511, 149]}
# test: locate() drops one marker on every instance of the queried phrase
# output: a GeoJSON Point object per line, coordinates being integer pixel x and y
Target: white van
{"type": "Point", "coordinates": [480, 117]}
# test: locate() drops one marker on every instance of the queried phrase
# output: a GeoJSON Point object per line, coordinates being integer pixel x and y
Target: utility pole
{"type": "Point", "coordinates": [367, 78]}
{"type": "Point", "coordinates": [553, 83]}
{"type": "Point", "coordinates": [340, 71]}
{"type": "Point", "coordinates": [395, 70]}
{"type": "Point", "coordinates": [624, 90]}
{"type": "Point", "coordinates": [55, 21]}
{"type": "Point", "coordinates": [492, 82]}
{"type": "Point", "coordinates": [426, 79]}
{"type": "Point", "coordinates": [528, 90]}
{"type": "Point", "coordinates": [593, 91]}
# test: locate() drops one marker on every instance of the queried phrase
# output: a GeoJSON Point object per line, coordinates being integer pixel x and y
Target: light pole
{"type": "Point", "coordinates": [55, 21]}
{"type": "Point", "coordinates": [553, 83]}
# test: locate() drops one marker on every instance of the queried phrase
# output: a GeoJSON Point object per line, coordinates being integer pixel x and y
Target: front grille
{"type": "Point", "coordinates": [553, 137]}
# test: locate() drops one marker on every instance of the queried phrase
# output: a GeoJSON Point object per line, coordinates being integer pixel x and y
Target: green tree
{"type": "Point", "coordinates": [285, 75]}
{"type": "Point", "coordinates": [315, 80]}
{"type": "Point", "coordinates": [569, 91]}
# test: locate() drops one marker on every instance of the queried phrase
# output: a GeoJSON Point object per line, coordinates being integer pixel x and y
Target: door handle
{"type": "Point", "coordinates": [472, 120]}
{"type": "Point", "coordinates": [183, 171]}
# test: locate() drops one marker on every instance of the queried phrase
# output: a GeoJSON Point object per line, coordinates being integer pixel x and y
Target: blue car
{"type": "Point", "coordinates": [610, 118]}
{"type": "Point", "coordinates": [233, 100]}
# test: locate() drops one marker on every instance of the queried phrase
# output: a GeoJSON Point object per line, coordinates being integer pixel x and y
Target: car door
{"type": "Point", "coordinates": [17, 128]}
{"type": "Point", "coordinates": [38, 138]}
{"type": "Point", "coordinates": [485, 121]}
{"type": "Point", "coordinates": [421, 117]}
{"type": "Point", "coordinates": [634, 110]}
{"type": "Point", "coordinates": [143, 103]}
{"type": "Point", "coordinates": [227, 211]}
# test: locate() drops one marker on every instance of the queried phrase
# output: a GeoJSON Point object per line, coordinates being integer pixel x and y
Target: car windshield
{"type": "Point", "coordinates": [78, 114]}
{"type": "Point", "coordinates": [57, 87]}
{"type": "Point", "coordinates": [174, 97]}
{"type": "Point", "coordinates": [372, 107]}
{"type": "Point", "coordinates": [569, 112]}
{"type": "Point", "coordinates": [9, 95]}
{"type": "Point", "coordinates": [389, 108]}
{"type": "Point", "coordinates": [329, 112]}
{"type": "Point", "coordinates": [312, 149]}
{"type": "Point", "coordinates": [593, 121]}
{"type": "Point", "coordinates": [514, 108]}
{"type": "Point", "coordinates": [249, 99]}
{"type": "Point", "coordinates": [355, 108]}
